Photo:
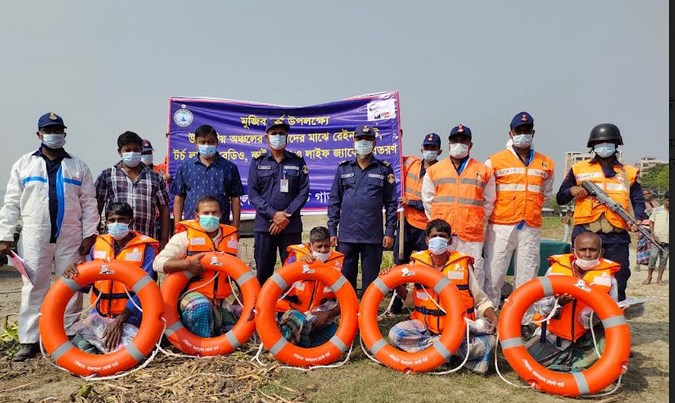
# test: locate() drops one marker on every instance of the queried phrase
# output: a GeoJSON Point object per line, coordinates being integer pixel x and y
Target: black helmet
{"type": "Point", "coordinates": [605, 132]}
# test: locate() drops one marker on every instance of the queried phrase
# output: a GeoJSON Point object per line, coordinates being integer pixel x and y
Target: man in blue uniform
{"type": "Point", "coordinates": [278, 187]}
{"type": "Point", "coordinates": [621, 182]}
{"type": "Point", "coordinates": [361, 188]}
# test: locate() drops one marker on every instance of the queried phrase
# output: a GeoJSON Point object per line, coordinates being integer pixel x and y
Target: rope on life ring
{"type": "Point", "coordinates": [69, 357]}
{"type": "Point", "coordinates": [612, 363]}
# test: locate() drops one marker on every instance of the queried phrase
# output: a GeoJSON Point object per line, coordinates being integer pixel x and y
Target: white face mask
{"type": "Point", "coordinates": [146, 159]}
{"type": "Point", "coordinates": [586, 264]}
{"type": "Point", "coordinates": [459, 150]}
{"type": "Point", "coordinates": [429, 155]}
{"type": "Point", "coordinates": [604, 150]}
{"type": "Point", "coordinates": [322, 257]}
{"type": "Point", "coordinates": [277, 141]}
{"type": "Point", "coordinates": [54, 141]}
{"type": "Point", "coordinates": [522, 140]}
{"type": "Point", "coordinates": [131, 159]}
{"type": "Point", "coordinates": [363, 147]}
{"type": "Point", "coordinates": [438, 245]}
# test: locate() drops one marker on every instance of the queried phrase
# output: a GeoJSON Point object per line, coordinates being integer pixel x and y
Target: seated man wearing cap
{"type": "Point", "coordinates": [428, 319]}
{"type": "Point", "coordinates": [564, 343]}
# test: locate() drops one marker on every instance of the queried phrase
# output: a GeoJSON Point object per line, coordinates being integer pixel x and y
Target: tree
{"type": "Point", "coordinates": [656, 178]}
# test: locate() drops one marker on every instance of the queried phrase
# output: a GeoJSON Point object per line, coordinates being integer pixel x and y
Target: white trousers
{"type": "Point", "coordinates": [475, 250]}
{"type": "Point", "coordinates": [40, 257]}
{"type": "Point", "coordinates": [501, 243]}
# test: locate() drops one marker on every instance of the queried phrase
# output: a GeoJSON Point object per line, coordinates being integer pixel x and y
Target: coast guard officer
{"type": "Point", "coordinates": [278, 187]}
{"type": "Point", "coordinates": [361, 188]}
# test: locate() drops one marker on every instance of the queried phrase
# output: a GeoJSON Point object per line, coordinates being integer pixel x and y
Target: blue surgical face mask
{"type": "Point", "coordinates": [146, 159]}
{"type": "Point", "coordinates": [522, 140]}
{"type": "Point", "coordinates": [277, 141]}
{"type": "Point", "coordinates": [131, 159]}
{"type": "Point", "coordinates": [363, 147]}
{"type": "Point", "coordinates": [209, 222]}
{"type": "Point", "coordinates": [207, 150]}
{"type": "Point", "coordinates": [118, 230]}
{"type": "Point", "coordinates": [429, 155]}
{"type": "Point", "coordinates": [438, 245]}
{"type": "Point", "coordinates": [604, 150]}
{"type": "Point", "coordinates": [53, 140]}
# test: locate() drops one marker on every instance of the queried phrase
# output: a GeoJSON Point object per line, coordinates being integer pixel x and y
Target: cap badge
{"type": "Point", "coordinates": [365, 129]}
{"type": "Point", "coordinates": [460, 129]}
{"type": "Point", "coordinates": [523, 118]}
{"type": "Point", "coordinates": [52, 116]}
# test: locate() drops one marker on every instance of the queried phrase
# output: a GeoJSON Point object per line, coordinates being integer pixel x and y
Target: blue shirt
{"type": "Point", "coordinates": [356, 201]}
{"type": "Point", "coordinates": [264, 189]}
{"type": "Point", "coordinates": [637, 200]}
{"type": "Point", "coordinates": [194, 179]}
{"type": "Point", "coordinates": [53, 168]}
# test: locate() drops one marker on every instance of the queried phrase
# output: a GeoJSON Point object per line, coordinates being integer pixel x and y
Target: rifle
{"type": "Point", "coordinates": [595, 191]}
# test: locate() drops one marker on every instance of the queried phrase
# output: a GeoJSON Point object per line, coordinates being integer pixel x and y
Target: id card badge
{"type": "Point", "coordinates": [283, 185]}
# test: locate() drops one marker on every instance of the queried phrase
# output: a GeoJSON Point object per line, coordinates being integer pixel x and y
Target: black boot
{"type": "Point", "coordinates": [26, 351]}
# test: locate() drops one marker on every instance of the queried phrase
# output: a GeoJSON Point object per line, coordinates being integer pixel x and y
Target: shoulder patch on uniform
{"type": "Point", "coordinates": [344, 162]}
{"type": "Point", "coordinates": [385, 163]}
{"type": "Point", "coordinates": [299, 153]}
{"type": "Point", "coordinates": [390, 178]}
{"type": "Point", "coordinates": [305, 169]}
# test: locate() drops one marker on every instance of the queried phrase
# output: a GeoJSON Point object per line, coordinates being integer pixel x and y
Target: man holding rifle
{"type": "Point", "coordinates": [613, 179]}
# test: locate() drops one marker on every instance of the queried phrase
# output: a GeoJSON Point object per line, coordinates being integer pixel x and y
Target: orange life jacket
{"type": "Point", "coordinates": [568, 326]}
{"type": "Point", "coordinates": [457, 270]}
{"type": "Point", "coordinates": [589, 209]}
{"type": "Point", "coordinates": [306, 295]}
{"type": "Point", "coordinates": [199, 241]}
{"type": "Point", "coordinates": [519, 188]}
{"type": "Point", "coordinates": [160, 168]}
{"type": "Point", "coordinates": [459, 198]}
{"type": "Point", "coordinates": [412, 168]}
{"type": "Point", "coordinates": [113, 297]}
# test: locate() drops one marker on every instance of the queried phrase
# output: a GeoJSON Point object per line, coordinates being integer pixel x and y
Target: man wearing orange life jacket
{"type": "Point", "coordinates": [306, 312]}
{"type": "Point", "coordinates": [523, 180]}
{"type": "Point", "coordinates": [201, 306]}
{"type": "Point", "coordinates": [414, 170]}
{"type": "Point", "coordinates": [566, 343]}
{"type": "Point", "coordinates": [621, 183]}
{"type": "Point", "coordinates": [428, 319]}
{"type": "Point", "coordinates": [460, 190]}
{"type": "Point", "coordinates": [111, 297]}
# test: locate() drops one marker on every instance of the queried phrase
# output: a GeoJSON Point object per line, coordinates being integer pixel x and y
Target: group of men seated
{"type": "Point", "coordinates": [308, 312]}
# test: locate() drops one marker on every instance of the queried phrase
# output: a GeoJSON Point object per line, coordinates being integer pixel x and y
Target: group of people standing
{"type": "Point", "coordinates": [492, 211]}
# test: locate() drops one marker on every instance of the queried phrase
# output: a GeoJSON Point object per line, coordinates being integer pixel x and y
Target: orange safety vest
{"type": "Point", "coordinates": [519, 188]}
{"type": "Point", "coordinates": [199, 241]}
{"type": "Point", "coordinates": [568, 326]}
{"type": "Point", "coordinates": [306, 295]}
{"type": "Point", "coordinates": [412, 167]}
{"type": "Point", "coordinates": [113, 295]}
{"type": "Point", "coordinates": [159, 168]}
{"type": "Point", "coordinates": [589, 209]}
{"type": "Point", "coordinates": [459, 198]}
{"type": "Point", "coordinates": [457, 270]}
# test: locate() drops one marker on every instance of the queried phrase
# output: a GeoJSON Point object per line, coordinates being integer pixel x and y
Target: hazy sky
{"type": "Point", "coordinates": [107, 67]}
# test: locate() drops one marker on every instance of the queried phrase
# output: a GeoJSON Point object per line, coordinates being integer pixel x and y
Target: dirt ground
{"type": "Point", "coordinates": [359, 380]}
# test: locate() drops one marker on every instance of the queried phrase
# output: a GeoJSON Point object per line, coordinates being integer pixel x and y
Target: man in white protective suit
{"type": "Point", "coordinates": [52, 193]}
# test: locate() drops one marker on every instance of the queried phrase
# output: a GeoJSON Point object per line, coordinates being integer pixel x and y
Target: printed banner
{"type": "Point", "coordinates": [322, 133]}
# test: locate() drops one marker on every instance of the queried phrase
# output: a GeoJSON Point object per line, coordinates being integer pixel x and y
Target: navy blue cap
{"type": "Point", "coordinates": [460, 130]}
{"type": "Point", "coordinates": [271, 122]}
{"type": "Point", "coordinates": [147, 145]}
{"type": "Point", "coordinates": [522, 118]}
{"type": "Point", "coordinates": [432, 139]}
{"type": "Point", "coordinates": [50, 119]}
{"type": "Point", "coordinates": [364, 131]}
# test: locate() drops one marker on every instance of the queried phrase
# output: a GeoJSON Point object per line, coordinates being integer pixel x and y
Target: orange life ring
{"type": "Point", "coordinates": [53, 334]}
{"type": "Point", "coordinates": [186, 341]}
{"type": "Point", "coordinates": [594, 379]}
{"type": "Point", "coordinates": [431, 357]}
{"type": "Point", "coordinates": [266, 321]}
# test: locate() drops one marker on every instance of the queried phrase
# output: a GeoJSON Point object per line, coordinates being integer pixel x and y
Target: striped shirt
{"type": "Point", "coordinates": [144, 195]}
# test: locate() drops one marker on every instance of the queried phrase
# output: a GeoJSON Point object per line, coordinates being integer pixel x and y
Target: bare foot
{"type": "Point", "coordinates": [659, 282]}
{"type": "Point", "coordinates": [647, 282]}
